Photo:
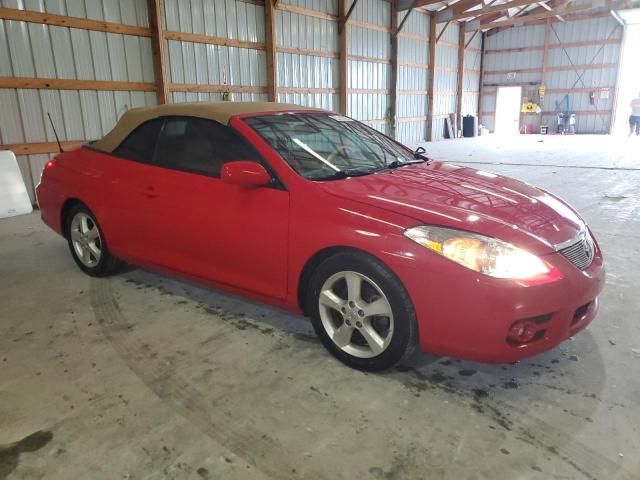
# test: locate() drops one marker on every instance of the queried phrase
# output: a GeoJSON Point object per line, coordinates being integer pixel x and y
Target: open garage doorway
{"type": "Point", "coordinates": [629, 77]}
{"type": "Point", "coordinates": [508, 103]}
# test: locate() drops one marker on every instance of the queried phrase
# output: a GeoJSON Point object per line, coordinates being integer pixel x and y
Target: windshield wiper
{"type": "Point", "coordinates": [349, 172]}
{"type": "Point", "coordinates": [398, 163]}
{"type": "Point", "coordinates": [419, 155]}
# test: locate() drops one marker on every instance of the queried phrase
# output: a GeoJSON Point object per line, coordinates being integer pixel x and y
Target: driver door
{"type": "Point", "coordinates": [206, 228]}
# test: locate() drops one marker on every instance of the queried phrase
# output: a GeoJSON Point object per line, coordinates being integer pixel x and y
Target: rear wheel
{"type": "Point", "coordinates": [86, 243]}
{"type": "Point", "coordinates": [361, 312]}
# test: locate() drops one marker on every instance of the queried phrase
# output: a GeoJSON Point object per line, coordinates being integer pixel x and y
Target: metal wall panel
{"type": "Point", "coordinates": [204, 64]}
{"type": "Point", "coordinates": [412, 108]}
{"type": "Point", "coordinates": [471, 76]}
{"type": "Point", "coordinates": [222, 18]}
{"type": "Point", "coordinates": [198, 63]}
{"type": "Point", "coordinates": [308, 71]}
{"type": "Point", "coordinates": [411, 133]}
{"type": "Point", "coordinates": [327, 101]}
{"type": "Point", "coordinates": [368, 75]}
{"type": "Point", "coordinates": [367, 42]}
{"type": "Point", "coordinates": [77, 115]}
{"type": "Point", "coordinates": [508, 61]}
{"type": "Point", "coordinates": [301, 31]}
{"type": "Point", "coordinates": [446, 77]}
{"type": "Point", "coordinates": [417, 23]}
{"type": "Point", "coordinates": [326, 6]}
{"type": "Point", "coordinates": [177, 97]}
{"type": "Point", "coordinates": [368, 106]}
{"type": "Point", "coordinates": [560, 74]}
{"type": "Point", "coordinates": [364, 75]}
{"type": "Point", "coordinates": [129, 12]}
{"type": "Point", "coordinates": [516, 37]}
{"type": "Point", "coordinates": [45, 51]}
{"type": "Point", "coordinates": [373, 11]}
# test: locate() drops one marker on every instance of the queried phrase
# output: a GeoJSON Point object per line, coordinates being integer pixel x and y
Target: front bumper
{"type": "Point", "coordinates": [468, 315]}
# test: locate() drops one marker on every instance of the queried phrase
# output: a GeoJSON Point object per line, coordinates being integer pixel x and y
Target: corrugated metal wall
{"type": "Point", "coordinates": [413, 78]}
{"type": "Point", "coordinates": [446, 78]}
{"type": "Point", "coordinates": [30, 50]}
{"type": "Point", "coordinates": [592, 44]}
{"type": "Point", "coordinates": [195, 63]}
{"type": "Point", "coordinates": [305, 79]}
{"type": "Point", "coordinates": [369, 47]}
{"type": "Point", "coordinates": [307, 45]}
{"type": "Point", "coordinates": [471, 78]}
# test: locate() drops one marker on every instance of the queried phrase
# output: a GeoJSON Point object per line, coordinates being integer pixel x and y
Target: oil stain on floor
{"type": "Point", "coordinates": [10, 454]}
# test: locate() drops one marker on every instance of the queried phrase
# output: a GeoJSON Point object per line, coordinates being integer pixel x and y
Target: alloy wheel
{"type": "Point", "coordinates": [86, 240]}
{"type": "Point", "coordinates": [356, 314]}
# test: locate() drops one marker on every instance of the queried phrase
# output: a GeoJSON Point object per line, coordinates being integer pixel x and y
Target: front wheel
{"type": "Point", "coordinates": [361, 312]}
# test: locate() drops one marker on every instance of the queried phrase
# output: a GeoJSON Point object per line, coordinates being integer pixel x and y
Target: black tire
{"type": "Point", "coordinates": [107, 264]}
{"type": "Point", "coordinates": [404, 336]}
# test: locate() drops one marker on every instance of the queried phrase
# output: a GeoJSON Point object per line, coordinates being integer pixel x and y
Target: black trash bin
{"type": "Point", "coordinates": [470, 126]}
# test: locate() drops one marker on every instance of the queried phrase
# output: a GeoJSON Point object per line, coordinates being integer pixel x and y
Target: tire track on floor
{"type": "Point", "coordinates": [260, 451]}
{"type": "Point", "coordinates": [271, 457]}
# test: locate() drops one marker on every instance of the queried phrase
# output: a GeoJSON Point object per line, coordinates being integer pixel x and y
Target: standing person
{"type": "Point", "coordinates": [634, 119]}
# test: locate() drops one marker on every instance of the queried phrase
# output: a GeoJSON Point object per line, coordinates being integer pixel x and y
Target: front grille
{"type": "Point", "coordinates": [580, 253]}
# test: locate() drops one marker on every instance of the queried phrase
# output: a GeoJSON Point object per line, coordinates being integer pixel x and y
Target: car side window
{"type": "Point", "coordinates": [141, 143]}
{"type": "Point", "coordinates": [201, 146]}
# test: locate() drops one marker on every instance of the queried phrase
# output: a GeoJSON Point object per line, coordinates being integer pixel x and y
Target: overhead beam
{"type": "Point", "coordinates": [407, 4]}
{"type": "Point", "coordinates": [270, 49]}
{"type": "Point", "coordinates": [398, 29]}
{"type": "Point", "coordinates": [553, 4]}
{"type": "Point", "coordinates": [344, 58]}
{"type": "Point", "coordinates": [493, 9]}
{"type": "Point", "coordinates": [446, 14]}
{"type": "Point", "coordinates": [530, 17]}
{"type": "Point", "coordinates": [549, 9]}
{"type": "Point", "coordinates": [158, 46]}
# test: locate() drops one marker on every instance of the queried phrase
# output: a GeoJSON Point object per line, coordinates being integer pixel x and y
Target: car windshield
{"type": "Point", "coordinates": [321, 146]}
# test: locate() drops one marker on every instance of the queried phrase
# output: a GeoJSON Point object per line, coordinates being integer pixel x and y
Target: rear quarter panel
{"type": "Point", "coordinates": [73, 176]}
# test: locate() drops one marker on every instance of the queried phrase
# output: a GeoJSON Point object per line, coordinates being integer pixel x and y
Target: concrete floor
{"type": "Point", "coordinates": [144, 377]}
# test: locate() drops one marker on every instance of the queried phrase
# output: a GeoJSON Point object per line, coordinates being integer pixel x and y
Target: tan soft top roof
{"type": "Point", "coordinates": [221, 112]}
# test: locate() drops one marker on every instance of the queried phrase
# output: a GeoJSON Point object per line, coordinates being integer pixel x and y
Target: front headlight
{"type": "Point", "coordinates": [483, 254]}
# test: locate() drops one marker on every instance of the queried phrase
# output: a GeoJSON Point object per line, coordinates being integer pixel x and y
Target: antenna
{"type": "Point", "coordinates": [55, 133]}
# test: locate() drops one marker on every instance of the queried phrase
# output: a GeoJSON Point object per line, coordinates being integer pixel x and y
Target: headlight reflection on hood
{"type": "Point", "coordinates": [486, 255]}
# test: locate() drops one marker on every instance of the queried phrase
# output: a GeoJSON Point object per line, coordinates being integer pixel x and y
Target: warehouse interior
{"type": "Point", "coordinates": [141, 375]}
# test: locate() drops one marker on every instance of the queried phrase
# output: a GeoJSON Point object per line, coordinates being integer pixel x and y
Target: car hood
{"type": "Point", "coordinates": [467, 199]}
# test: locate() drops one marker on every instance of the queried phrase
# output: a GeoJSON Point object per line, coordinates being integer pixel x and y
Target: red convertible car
{"type": "Point", "coordinates": [383, 248]}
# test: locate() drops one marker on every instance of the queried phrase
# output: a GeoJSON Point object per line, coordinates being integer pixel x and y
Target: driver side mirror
{"type": "Point", "coordinates": [245, 173]}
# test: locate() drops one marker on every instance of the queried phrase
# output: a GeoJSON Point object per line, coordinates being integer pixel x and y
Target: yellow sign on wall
{"type": "Point", "coordinates": [529, 107]}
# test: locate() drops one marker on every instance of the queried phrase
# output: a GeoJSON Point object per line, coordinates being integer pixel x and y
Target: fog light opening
{"type": "Point", "coordinates": [523, 331]}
